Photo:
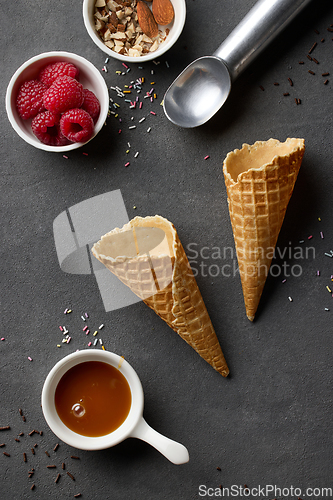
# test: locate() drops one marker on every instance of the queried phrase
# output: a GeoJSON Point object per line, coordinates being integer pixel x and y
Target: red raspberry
{"type": "Point", "coordinates": [52, 71]}
{"type": "Point", "coordinates": [77, 125]}
{"type": "Point", "coordinates": [91, 104]}
{"type": "Point", "coordinates": [65, 93]}
{"type": "Point", "coordinates": [46, 127]}
{"type": "Point", "coordinates": [29, 99]}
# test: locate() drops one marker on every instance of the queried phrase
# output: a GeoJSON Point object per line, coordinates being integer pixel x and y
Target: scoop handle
{"type": "Point", "coordinates": [173, 451]}
{"type": "Point", "coordinates": [258, 28]}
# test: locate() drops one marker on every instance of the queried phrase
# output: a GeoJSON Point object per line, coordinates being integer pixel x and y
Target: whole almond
{"type": "Point", "coordinates": [163, 11]}
{"type": "Point", "coordinates": [146, 20]}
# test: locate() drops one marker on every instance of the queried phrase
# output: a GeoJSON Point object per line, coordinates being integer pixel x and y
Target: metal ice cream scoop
{"type": "Point", "coordinates": [203, 87]}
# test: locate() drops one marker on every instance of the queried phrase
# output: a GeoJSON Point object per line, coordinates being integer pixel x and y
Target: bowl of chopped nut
{"type": "Point", "coordinates": [134, 30]}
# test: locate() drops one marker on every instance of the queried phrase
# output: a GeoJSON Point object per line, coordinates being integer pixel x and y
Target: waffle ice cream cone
{"type": "Point", "coordinates": [147, 256]}
{"type": "Point", "coordinates": [260, 180]}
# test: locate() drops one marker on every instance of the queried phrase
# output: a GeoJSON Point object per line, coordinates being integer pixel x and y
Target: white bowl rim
{"type": "Point", "coordinates": [34, 141]}
{"type": "Point", "coordinates": [148, 57]}
{"type": "Point", "coordinates": [77, 440]}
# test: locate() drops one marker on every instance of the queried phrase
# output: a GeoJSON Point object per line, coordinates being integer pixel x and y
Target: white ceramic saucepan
{"type": "Point", "coordinates": [133, 426]}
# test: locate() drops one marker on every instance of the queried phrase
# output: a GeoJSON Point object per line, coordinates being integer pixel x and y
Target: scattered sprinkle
{"type": "Point", "coordinates": [206, 157]}
{"type": "Point", "coordinates": [29, 358]}
{"type": "Point", "coordinates": [313, 47]}
{"type": "Point", "coordinates": [290, 299]}
{"type": "Point", "coordinates": [328, 288]}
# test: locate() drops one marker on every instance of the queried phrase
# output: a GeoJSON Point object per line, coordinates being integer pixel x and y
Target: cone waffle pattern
{"type": "Point", "coordinates": [167, 285]}
{"type": "Point", "coordinates": [257, 201]}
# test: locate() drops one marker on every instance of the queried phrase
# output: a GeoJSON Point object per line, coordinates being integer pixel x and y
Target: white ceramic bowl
{"type": "Point", "coordinates": [89, 76]}
{"type": "Point", "coordinates": [133, 426]}
{"type": "Point", "coordinates": [77, 440]}
{"type": "Point", "coordinates": [175, 27]}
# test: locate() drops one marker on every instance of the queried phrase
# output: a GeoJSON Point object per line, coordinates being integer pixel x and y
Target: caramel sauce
{"type": "Point", "coordinates": [93, 398]}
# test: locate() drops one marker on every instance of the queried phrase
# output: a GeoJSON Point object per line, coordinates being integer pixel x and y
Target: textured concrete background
{"type": "Point", "coordinates": [270, 422]}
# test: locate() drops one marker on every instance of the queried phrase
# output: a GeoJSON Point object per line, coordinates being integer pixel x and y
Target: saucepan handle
{"type": "Point", "coordinates": [173, 451]}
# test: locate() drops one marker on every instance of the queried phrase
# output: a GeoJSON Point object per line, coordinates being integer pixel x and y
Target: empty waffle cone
{"type": "Point", "coordinates": [260, 180]}
{"type": "Point", "coordinates": [147, 256]}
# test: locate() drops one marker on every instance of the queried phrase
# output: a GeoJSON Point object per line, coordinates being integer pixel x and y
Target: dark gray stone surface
{"type": "Point", "coordinates": [270, 422]}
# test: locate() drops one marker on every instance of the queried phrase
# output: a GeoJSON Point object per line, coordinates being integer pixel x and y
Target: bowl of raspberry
{"type": "Point", "coordinates": [57, 101]}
